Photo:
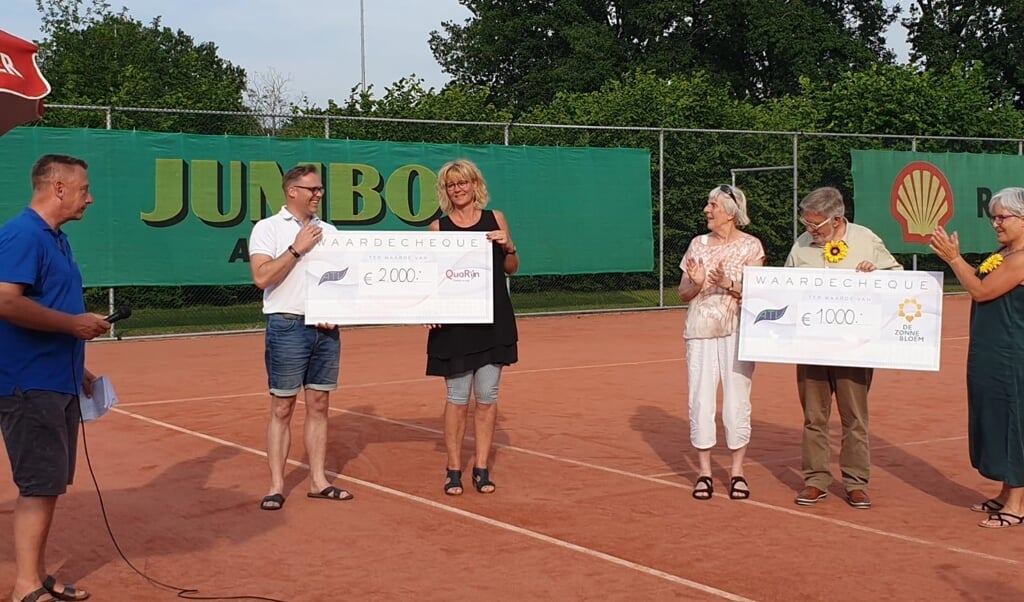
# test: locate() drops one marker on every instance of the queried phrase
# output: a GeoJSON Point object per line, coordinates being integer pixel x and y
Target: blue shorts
{"type": "Point", "coordinates": [483, 381]}
{"type": "Point", "coordinates": [40, 431]}
{"type": "Point", "coordinates": [300, 356]}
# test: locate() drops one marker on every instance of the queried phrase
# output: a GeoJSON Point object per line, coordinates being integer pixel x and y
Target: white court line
{"type": "Point", "coordinates": [795, 458]}
{"type": "Point", "coordinates": [659, 481]}
{"type": "Point", "coordinates": [623, 473]}
{"type": "Point", "coordinates": [651, 479]}
{"type": "Point", "coordinates": [621, 562]}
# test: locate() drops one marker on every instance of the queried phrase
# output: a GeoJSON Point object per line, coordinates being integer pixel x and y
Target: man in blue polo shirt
{"type": "Point", "coordinates": [43, 329]}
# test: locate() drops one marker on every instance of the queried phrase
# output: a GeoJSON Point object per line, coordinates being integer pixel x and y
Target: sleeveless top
{"type": "Point", "coordinates": [454, 349]}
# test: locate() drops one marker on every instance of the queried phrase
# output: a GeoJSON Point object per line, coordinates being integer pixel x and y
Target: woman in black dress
{"type": "Point", "coordinates": [995, 374]}
{"type": "Point", "coordinates": [471, 356]}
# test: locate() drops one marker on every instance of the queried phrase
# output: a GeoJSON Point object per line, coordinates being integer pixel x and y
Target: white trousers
{"type": "Point", "coordinates": [708, 362]}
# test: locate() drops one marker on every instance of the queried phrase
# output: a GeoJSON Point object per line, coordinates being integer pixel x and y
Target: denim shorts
{"type": "Point", "coordinates": [40, 431]}
{"type": "Point", "coordinates": [484, 382]}
{"type": "Point", "coordinates": [300, 356]}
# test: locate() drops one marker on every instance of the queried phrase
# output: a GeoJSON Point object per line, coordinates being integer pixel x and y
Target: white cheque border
{"type": "Point", "coordinates": [391, 277]}
{"type": "Point", "coordinates": [832, 317]}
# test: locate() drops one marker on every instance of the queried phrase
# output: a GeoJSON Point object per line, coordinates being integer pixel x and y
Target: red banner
{"type": "Point", "coordinates": [22, 85]}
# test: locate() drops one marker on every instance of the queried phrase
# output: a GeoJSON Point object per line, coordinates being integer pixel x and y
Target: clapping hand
{"type": "Point", "coordinates": [945, 246]}
{"type": "Point", "coordinates": [718, 278]}
{"type": "Point", "coordinates": [695, 271]}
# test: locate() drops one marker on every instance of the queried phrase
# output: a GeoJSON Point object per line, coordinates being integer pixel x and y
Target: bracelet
{"type": "Point", "coordinates": [294, 253]}
{"type": "Point", "coordinates": [512, 252]}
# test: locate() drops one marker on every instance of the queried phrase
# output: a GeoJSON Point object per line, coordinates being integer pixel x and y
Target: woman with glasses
{"type": "Point", "coordinates": [995, 373]}
{"type": "Point", "coordinates": [712, 283]}
{"type": "Point", "coordinates": [470, 356]}
{"type": "Point", "coordinates": [832, 241]}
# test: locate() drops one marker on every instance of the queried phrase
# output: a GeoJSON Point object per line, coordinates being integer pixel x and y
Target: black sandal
{"type": "Point", "coordinates": [481, 479]}
{"type": "Point", "coordinates": [703, 489]}
{"type": "Point", "coordinates": [453, 482]}
{"type": "Point", "coordinates": [735, 493]}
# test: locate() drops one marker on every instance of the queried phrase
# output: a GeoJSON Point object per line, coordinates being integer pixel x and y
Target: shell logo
{"type": "Point", "coordinates": [922, 200]}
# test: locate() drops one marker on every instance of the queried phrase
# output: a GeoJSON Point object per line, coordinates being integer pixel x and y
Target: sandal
{"type": "Point", "coordinates": [735, 493]}
{"type": "Point", "coordinates": [272, 502]}
{"type": "Point", "coordinates": [703, 489]}
{"type": "Point", "coordinates": [482, 480]}
{"type": "Point", "coordinates": [68, 592]}
{"type": "Point", "coordinates": [453, 482]}
{"type": "Point", "coordinates": [988, 506]}
{"type": "Point", "coordinates": [1001, 520]}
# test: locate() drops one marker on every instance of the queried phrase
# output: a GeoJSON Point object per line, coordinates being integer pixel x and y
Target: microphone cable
{"type": "Point", "coordinates": [182, 592]}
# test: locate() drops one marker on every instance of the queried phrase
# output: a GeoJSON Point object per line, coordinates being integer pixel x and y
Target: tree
{"type": "Point", "coordinates": [269, 96]}
{"type": "Point", "coordinates": [95, 57]}
{"type": "Point", "coordinates": [944, 34]}
{"type": "Point", "coordinates": [526, 51]}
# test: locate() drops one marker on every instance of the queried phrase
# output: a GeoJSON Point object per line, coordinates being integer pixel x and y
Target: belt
{"type": "Point", "coordinates": [290, 316]}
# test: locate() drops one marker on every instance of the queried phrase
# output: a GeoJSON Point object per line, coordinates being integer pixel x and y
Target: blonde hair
{"type": "Point", "coordinates": [733, 200]}
{"type": "Point", "coordinates": [454, 171]}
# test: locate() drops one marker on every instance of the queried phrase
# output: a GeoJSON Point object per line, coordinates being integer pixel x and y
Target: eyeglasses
{"type": "Point", "coordinates": [815, 227]}
{"type": "Point", "coordinates": [312, 189]}
{"type": "Point", "coordinates": [728, 190]}
{"type": "Point", "coordinates": [462, 184]}
{"type": "Point", "coordinates": [999, 219]}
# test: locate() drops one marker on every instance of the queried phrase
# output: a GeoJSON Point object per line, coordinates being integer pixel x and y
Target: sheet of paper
{"type": "Point", "coordinates": [103, 398]}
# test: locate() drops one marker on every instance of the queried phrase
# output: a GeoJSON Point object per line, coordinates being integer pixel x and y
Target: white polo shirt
{"type": "Point", "coordinates": [271, 236]}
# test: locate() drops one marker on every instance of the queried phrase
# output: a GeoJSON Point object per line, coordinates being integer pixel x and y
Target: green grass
{"type": "Point", "coordinates": [208, 318]}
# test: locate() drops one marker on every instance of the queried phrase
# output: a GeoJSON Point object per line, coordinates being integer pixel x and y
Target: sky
{"type": "Point", "coordinates": [313, 43]}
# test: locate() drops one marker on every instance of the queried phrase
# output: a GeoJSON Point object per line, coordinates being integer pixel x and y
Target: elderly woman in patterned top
{"type": "Point", "coordinates": [712, 283]}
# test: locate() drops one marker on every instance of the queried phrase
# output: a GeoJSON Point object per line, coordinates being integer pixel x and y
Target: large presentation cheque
{"type": "Point", "coordinates": [881, 319]}
{"type": "Point", "coordinates": [400, 278]}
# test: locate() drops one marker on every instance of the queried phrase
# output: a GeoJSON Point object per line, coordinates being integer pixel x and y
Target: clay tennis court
{"type": "Point", "coordinates": [593, 467]}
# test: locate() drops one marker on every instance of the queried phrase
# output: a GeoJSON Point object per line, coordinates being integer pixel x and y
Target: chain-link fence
{"type": "Point", "coordinates": [773, 168]}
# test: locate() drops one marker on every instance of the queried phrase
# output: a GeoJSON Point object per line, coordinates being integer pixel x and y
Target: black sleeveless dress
{"type": "Point", "coordinates": [453, 349]}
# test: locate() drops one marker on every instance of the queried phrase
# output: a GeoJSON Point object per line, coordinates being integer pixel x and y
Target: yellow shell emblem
{"type": "Point", "coordinates": [921, 200]}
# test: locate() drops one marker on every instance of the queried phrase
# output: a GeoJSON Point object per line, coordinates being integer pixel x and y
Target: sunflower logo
{"type": "Point", "coordinates": [835, 251]}
{"type": "Point", "coordinates": [910, 309]}
{"type": "Point", "coordinates": [994, 261]}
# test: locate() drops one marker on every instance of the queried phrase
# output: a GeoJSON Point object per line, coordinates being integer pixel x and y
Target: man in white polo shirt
{"type": "Point", "coordinates": [297, 356]}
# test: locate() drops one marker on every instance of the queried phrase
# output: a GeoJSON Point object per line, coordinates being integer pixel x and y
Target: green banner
{"type": "Point", "coordinates": [175, 209]}
{"type": "Point", "coordinates": [903, 196]}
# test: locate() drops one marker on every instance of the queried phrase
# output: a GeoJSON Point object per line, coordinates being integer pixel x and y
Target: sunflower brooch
{"type": "Point", "coordinates": [994, 261]}
{"type": "Point", "coordinates": [835, 251]}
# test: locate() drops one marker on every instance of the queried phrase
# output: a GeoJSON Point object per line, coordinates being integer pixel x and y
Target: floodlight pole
{"type": "Point", "coordinates": [362, 44]}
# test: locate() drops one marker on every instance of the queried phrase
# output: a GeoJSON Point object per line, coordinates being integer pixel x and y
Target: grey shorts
{"type": "Point", "coordinates": [40, 430]}
{"type": "Point", "coordinates": [483, 381]}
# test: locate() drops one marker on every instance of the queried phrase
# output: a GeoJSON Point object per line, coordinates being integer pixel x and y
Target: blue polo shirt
{"type": "Point", "coordinates": [39, 257]}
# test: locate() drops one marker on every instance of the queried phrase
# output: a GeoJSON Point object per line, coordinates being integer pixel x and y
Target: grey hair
{"type": "Point", "coordinates": [1011, 199]}
{"type": "Point", "coordinates": [734, 204]}
{"type": "Point", "coordinates": [825, 201]}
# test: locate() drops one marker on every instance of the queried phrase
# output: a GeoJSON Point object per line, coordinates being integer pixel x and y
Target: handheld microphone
{"type": "Point", "coordinates": [120, 314]}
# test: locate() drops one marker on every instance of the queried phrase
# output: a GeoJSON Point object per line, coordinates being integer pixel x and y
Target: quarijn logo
{"type": "Point", "coordinates": [921, 200]}
{"type": "Point", "coordinates": [464, 275]}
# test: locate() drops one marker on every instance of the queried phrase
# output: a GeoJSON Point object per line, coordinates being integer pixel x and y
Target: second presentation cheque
{"type": "Point", "coordinates": [881, 319]}
{"type": "Point", "coordinates": [391, 277]}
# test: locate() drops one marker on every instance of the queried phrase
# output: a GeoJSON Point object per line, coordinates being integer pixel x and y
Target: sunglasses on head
{"type": "Point", "coordinates": [728, 190]}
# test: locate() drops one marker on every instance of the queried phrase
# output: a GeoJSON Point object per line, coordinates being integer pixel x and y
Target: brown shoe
{"type": "Point", "coordinates": [858, 498]}
{"type": "Point", "coordinates": [810, 496]}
